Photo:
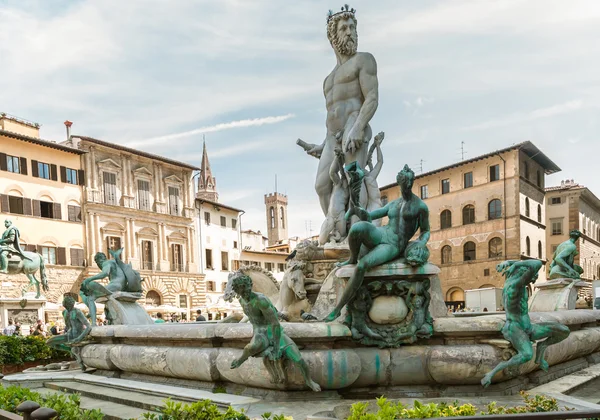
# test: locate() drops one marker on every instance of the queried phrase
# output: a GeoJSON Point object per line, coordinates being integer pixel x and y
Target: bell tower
{"type": "Point", "coordinates": [277, 221]}
{"type": "Point", "coordinates": [207, 183]}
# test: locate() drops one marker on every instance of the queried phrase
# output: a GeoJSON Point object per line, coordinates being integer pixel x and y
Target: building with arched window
{"type": "Point", "coordinates": [488, 196]}
{"type": "Point", "coordinates": [41, 193]}
{"type": "Point", "coordinates": [446, 219]}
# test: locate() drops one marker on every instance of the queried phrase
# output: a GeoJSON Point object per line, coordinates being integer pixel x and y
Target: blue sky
{"type": "Point", "coordinates": [156, 74]}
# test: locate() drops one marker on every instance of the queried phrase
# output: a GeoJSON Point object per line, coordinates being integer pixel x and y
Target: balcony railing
{"type": "Point", "coordinates": [183, 268]}
{"type": "Point", "coordinates": [148, 265]}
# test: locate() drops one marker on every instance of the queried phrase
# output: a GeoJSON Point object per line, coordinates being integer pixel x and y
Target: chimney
{"type": "Point", "coordinates": [68, 124]}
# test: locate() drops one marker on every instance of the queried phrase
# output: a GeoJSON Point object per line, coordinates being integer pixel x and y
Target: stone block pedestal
{"type": "Point", "coordinates": [121, 308]}
{"type": "Point", "coordinates": [395, 304]}
{"type": "Point", "coordinates": [556, 295]}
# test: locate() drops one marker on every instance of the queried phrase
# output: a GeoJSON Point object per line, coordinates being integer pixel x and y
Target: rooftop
{"type": "Point", "coordinates": [137, 152]}
{"type": "Point", "coordinates": [527, 147]}
{"type": "Point", "coordinates": [216, 204]}
{"type": "Point", "coordinates": [45, 143]}
{"type": "Point", "coordinates": [567, 184]}
{"type": "Point", "coordinates": [571, 185]}
{"type": "Point", "coordinates": [19, 120]}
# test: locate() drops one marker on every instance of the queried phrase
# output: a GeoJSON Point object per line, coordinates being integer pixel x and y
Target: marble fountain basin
{"type": "Point", "coordinates": [460, 352]}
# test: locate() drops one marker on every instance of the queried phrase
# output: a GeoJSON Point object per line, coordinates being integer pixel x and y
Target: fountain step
{"type": "Point", "coordinates": [111, 410]}
{"type": "Point", "coordinates": [143, 395]}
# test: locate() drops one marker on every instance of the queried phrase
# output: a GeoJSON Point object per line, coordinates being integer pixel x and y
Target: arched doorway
{"type": "Point", "coordinates": [455, 298]}
{"type": "Point", "coordinates": [153, 298]}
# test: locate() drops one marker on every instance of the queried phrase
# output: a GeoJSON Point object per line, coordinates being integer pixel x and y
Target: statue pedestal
{"type": "Point", "coordinates": [556, 295]}
{"type": "Point", "coordinates": [122, 309]}
{"type": "Point", "coordinates": [395, 304]}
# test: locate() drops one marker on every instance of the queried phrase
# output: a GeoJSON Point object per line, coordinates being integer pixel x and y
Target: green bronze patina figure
{"type": "Point", "coordinates": [268, 339]}
{"type": "Point", "coordinates": [371, 246]}
{"type": "Point", "coordinates": [77, 329]}
{"type": "Point", "coordinates": [122, 278]}
{"type": "Point", "coordinates": [518, 328]}
{"type": "Point", "coordinates": [28, 263]}
{"type": "Point", "coordinates": [563, 261]}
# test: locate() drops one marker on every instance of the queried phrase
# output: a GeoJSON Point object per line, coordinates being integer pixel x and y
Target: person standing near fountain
{"type": "Point", "coordinates": [352, 95]}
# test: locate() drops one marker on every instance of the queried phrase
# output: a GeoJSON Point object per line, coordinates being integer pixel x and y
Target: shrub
{"type": "Point", "coordinates": [67, 406]}
{"type": "Point", "coordinates": [200, 410]}
{"type": "Point", "coordinates": [388, 411]}
{"type": "Point", "coordinates": [16, 350]}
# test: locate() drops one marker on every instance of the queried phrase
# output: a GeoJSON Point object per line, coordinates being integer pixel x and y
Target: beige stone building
{"type": "Point", "coordinates": [41, 193]}
{"type": "Point", "coordinates": [483, 211]}
{"type": "Point", "coordinates": [144, 203]}
{"type": "Point", "coordinates": [573, 206]}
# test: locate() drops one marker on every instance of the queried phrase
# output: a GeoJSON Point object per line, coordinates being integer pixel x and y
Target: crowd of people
{"type": "Point", "coordinates": [40, 328]}
{"type": "Point", "coordinates": [176, 318]}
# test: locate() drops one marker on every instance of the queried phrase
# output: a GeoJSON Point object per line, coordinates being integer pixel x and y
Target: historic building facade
{"type": "Point", "coordinates": [483, 211]}
{"type": "Point", "coordinates": [573, 206]}
{"type": "Point", "coordinates": [41, 194]}
{"type": "Point", "coordinates": [144, 203]}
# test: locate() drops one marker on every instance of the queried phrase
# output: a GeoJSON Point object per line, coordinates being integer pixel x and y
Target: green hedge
{"type": "Point", "coordinates": [388, 411]}
{"type": "Point", "coordinates": [16, 350]}
{"type": "Point", "coordinates": [68, 408]}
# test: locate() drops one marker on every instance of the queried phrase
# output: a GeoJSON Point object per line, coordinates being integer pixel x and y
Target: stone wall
{"type": "Point", "coordinates": [60, 281]}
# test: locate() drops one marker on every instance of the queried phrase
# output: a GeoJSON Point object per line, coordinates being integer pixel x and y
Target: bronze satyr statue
{"type": "Point", "coordinates": [268, 340]}
{"type": "Point", "coordinates": [563, 261]}
{"type": "Point", "coordinates": [518, 328]}
{"type": "Point", "coordinates": [407, 215]}
{"type": "Point", "coordinates": [122, 278]}
{"type": "Point", "coordinates": [77, 329]}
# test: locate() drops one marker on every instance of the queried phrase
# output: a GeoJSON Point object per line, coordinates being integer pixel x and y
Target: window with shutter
{"type": "Point", "coordinates": [27, 206]}
{"type": "Point", "coordinates": [113, 243]}
{"type": "Point", "coordinates": [74, 213]}
{"type": "Point", "coordinates": [57, 211]}
{"type": "Point", "coordinates": [76, 257]}
{"type": "Point", "coordinates": [209, 264]}
{"type": "Point", "coordinates": [3, 162]}
{"type": "Point", "coordinates": [15, 204]}
{"type": "Point", "coordinates": [4, 203]}
{"type": "Point", "coordinates": [143, 195]}
{"type": "Point", "coordinates": [36, 208]}
{"type": "Point", "coordinates": [61, 256]}
{"type": "Point", "coordinates": [224, 261]}
{"type": "Point", "coordinates": [49, 254]}
{"type": "Point", "coordinates": [43, 170]}
{"type": "Point", "coordinates": [110, 188]}
{"type": "Point", "coordinates": [174, 201]}
{"type": "Point", "coordinates": [47, 209]}
{"type": "Point", "coordinates": [71, 176]}
{"type": "Point", "coordinates": [147, 260]}
{"type": "Point", "coordinates": [13, 164]}
{"type": "Point", "coordinates": [53, 172]}
{"type": "Point", "coordinates": [34, 169]}
{"type": "Point", "coordinates": [23, 166]}
{"type": "Point", "coordinates": [176, 257]}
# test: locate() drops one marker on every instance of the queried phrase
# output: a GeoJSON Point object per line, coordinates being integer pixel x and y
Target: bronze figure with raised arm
{"type": "Point", "coordinates": [407, 215]}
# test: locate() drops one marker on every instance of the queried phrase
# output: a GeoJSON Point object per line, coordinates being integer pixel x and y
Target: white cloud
{"type": "Point", "coordinates": [254, 122]}
{"type": "Point", "coordinates": [551, 111]}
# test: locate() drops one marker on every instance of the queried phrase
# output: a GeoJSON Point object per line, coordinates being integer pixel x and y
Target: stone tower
{"type": "Point", "coordinates": [207, 183]}
{"type": "Point", "coordinates": [277, 221]}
